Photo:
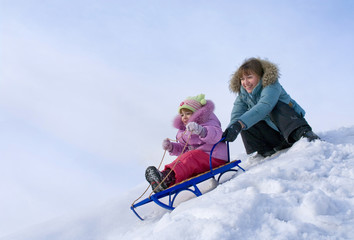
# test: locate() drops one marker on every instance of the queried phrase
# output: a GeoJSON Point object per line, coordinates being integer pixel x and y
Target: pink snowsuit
{"type": "Point", "coordinates": [195, 158]}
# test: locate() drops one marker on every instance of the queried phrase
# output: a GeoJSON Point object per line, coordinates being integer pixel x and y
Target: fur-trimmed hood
{"type": "Point", "coordinates": [271, 75]}
{"type": "Point", "coordinates": [200, 116]}
{"type": "Point", "coordinates": [205, 117]}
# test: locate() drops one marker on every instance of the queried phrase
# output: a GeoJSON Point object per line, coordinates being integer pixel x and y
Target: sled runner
{"type": "Point", "coordinates": [189, 184]}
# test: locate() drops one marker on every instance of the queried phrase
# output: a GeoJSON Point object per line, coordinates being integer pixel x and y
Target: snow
{"type": "Point", "coordinates": [305, 192]}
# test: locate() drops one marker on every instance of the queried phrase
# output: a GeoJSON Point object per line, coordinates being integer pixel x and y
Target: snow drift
{"type": "Point", "coordinates": [305, 192]}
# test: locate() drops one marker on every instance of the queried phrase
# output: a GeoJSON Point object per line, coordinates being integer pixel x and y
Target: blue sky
{"type": "Point", "coordinates": [88, 89]}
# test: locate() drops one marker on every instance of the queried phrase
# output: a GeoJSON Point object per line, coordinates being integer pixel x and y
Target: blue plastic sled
{"type": "Point", "coordinates": [187, 185]}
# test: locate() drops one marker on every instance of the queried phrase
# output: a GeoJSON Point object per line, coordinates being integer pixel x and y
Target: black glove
{"type": "Point", "coordinates": [230, 133]}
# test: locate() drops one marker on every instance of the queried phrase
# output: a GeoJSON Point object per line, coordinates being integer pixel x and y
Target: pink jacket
{"type": "Point", "coordinates": [206, 118]}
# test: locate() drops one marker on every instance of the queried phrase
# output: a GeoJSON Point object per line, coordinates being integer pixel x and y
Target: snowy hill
{"type": "Point", "coordinates": [305, 192]}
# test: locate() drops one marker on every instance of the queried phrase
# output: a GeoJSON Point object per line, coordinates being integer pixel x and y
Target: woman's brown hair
{"type": "Point", "coordinates": [252, 65]}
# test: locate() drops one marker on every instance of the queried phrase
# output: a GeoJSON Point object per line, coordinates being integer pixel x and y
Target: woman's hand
{"type": "Point", "coordinates": [230, 133]}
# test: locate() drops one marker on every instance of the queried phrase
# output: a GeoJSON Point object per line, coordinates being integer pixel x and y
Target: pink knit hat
{"type": "Point", "coordinates": [193, 103]}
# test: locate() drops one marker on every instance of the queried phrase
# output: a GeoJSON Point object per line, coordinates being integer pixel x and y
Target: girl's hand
{"type": "Point", "coordinates": [195, 128]}
{"type": "Point", "coordinates": [167, 145]}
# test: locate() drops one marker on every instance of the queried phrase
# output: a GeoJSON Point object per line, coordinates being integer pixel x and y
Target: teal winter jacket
{"type": "Point", "coordinates": [250, 108]}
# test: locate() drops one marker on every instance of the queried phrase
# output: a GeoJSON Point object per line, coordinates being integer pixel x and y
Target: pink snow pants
{"type": "Point", "coordinates": [192, 163]}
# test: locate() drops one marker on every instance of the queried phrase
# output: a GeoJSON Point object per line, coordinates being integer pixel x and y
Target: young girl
{"type": "Point", "coordinates": [267, 117]}
{"type": "Point", "coordinates": [198, 131]}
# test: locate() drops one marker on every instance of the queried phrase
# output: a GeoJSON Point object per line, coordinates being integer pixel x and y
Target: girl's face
{"type": "Point", "coordinates": [249, 81]}
{"type": "Point", "coordinates": [185, 115]}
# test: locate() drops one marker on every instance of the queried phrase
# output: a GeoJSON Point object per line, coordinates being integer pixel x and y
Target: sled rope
{"type": "Point", "coordinates": [184, 148]}
{"type": "Point", "coordinates": [149, 185]}
{"type": "Point", "coordinates": [185, 145]}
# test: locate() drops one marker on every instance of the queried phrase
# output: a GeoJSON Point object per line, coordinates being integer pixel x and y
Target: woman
{"type": "Point", "coordinates": [266, 116]}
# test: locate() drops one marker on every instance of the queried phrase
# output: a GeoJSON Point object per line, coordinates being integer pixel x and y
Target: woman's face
{"type": "Point", "coordinates": [249, 81]}
{"type": "Point", "coordinates": [185, 115]}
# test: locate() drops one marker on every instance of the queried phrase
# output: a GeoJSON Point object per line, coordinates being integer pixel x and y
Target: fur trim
{"type": "Point", "coordinates": [200, 116]}
{"type": "Point", "coordinates": [271, 75]}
